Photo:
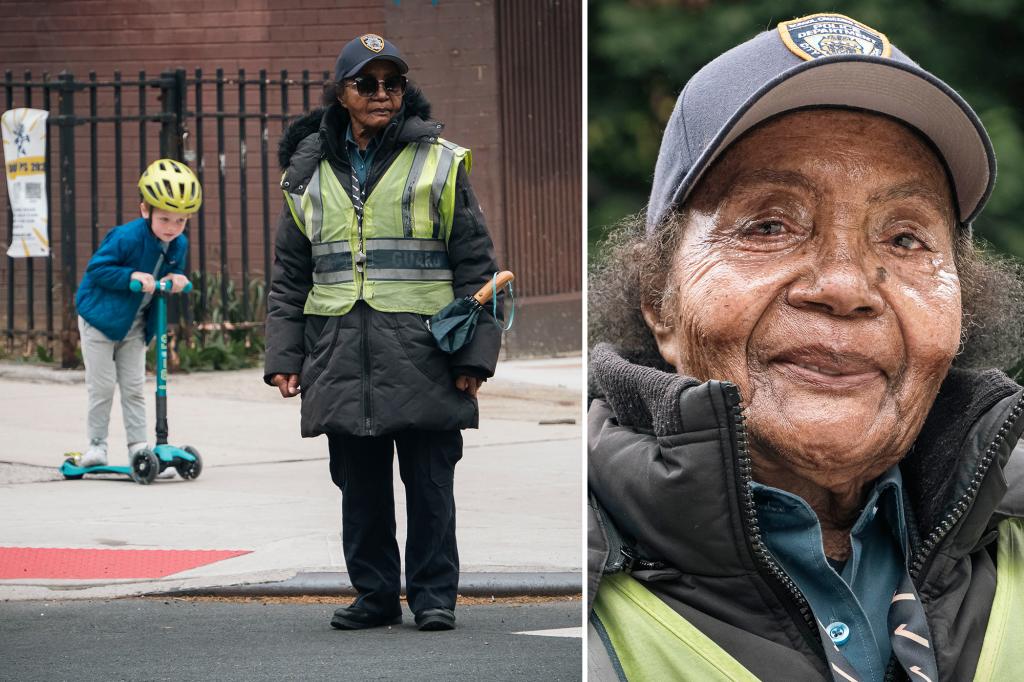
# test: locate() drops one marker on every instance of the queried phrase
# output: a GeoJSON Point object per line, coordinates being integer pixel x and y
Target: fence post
{"type": "Point", "coordinates": [172, 97]}
{"type": "Point", "coordinates": [68, 228]}
{"type": "Point", "coordinates": [172, 146]}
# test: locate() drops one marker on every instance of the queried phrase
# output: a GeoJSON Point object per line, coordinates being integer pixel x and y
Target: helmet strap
{"type": "Point", "coordinates": [149, 218]}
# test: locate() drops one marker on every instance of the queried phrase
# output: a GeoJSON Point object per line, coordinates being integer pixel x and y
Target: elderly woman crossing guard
{"type": "Point", "coordinates": [801, 464]}
{"type": "Point", "coordinates": [380, 231]}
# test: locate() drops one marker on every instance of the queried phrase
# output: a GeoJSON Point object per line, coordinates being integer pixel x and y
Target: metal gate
{"type": "Point", "coordinates": [100, 135]}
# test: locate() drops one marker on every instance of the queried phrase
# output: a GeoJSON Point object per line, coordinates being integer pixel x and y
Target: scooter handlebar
{"type": "Point", "coordinates": [161, 285]}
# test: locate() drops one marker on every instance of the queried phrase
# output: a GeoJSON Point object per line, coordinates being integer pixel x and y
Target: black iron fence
{"type": "Point", "coordinates": [96, 136]}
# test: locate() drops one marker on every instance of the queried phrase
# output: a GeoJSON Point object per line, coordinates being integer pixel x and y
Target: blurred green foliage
{"type": "Point", "coordinates": [642, 52]}
{"type": "Point", "coordinates": [213, 351]}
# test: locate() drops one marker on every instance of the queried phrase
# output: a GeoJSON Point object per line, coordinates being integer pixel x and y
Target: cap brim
{"type": "Point", "coordinates": [402, 66]}
{"type": "Point", "coordinates": [875, 84]}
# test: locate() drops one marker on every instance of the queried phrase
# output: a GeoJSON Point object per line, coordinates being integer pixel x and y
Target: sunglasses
{"type": "Point", "coordinates": [367, 86]}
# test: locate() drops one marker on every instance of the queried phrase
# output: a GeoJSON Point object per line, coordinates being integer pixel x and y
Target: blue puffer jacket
{"type": "Point", "coordinates": [103, 298]}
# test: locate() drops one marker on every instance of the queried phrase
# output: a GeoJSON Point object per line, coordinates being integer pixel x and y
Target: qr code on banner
{"type": "Point", "coordinates": [33, 190]}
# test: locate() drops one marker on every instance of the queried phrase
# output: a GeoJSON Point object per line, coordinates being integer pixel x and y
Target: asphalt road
{"type": "Point", "coordinates": [152, 639]}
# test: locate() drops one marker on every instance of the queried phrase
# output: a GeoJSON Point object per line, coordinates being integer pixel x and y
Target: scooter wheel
{"type": "Point", "coordinates": [189, 470]}
{"type": "Point", "coordinates": [145, 467]}
{"type": "Point", "coordinates": [71, 477]}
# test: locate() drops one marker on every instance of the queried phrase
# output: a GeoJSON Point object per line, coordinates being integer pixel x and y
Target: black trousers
{"type": "Point", "coordinates": [361, 466]}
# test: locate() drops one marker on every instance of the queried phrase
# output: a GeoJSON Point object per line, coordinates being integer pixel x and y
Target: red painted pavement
{"type": "Point", "coordinates": [94, 564]}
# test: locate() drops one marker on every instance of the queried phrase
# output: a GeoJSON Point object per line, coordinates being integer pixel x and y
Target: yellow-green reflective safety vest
{"type": "Point", "coordinates": [1004, 636]}
{"type": "Point", "coordinates": [397, 260]}
{"type": "Point", "coordinates": [653, 642]}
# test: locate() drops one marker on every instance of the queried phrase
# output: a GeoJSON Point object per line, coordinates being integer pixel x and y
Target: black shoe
{"type": "Point", "coordinates": [356, 618]}
{"type": "Point", "coordinates": [436, 619]}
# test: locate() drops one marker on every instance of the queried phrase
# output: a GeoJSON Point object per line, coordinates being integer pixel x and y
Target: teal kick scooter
{"type": "Point", "coordinates": [146, 464]}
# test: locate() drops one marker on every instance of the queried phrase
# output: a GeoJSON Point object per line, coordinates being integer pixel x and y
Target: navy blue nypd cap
{"type": "Point", "coordinates": [360, 51]}
{"type": "Point", "coordinates": [818, 60]}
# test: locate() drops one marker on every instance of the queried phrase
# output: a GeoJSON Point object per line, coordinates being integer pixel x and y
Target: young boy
{"type": "Point", "coordinates": [116, 323]}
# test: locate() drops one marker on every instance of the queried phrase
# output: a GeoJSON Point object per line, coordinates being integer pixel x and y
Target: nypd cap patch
{"type": "Point", "coordinates": [827, 35]}
{"type": "Point", "coordinates": [372, 42]}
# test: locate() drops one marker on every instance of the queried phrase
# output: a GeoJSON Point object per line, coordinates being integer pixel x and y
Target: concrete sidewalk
{"type": "Point", "coordinates": [266, 491]}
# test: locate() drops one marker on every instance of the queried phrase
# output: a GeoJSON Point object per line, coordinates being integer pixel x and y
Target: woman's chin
{"type": "Point", "coordinates": [848, 405]}
{"type": "Point", "coordinates": [827, 445]}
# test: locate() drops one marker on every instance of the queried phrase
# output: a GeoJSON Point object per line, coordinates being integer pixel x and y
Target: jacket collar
{"type": "Point", "coordinates": [400, 130]}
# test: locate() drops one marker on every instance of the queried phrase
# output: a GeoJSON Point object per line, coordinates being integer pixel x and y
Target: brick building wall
{"type": "Point", "coordinates": [450, 48]}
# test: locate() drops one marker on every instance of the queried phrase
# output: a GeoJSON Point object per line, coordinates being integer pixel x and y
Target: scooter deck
{"type": "Point", "coordinates": [166, 453]}
{"type": "Point", "coordinates": [69, 469]}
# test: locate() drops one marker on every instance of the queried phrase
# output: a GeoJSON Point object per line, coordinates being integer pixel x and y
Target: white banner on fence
{"type": "Point", "coordinates": [24, 134]}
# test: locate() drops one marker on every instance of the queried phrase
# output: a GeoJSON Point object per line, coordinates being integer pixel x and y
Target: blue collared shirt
{"type": "Point", "coordinates": [361, 159]}
{"type": "Point", "coordinates": [858, 594]}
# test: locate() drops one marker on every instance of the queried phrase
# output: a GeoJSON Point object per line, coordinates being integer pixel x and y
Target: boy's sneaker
{"type": "Point", "coordinates": [135, 447]}
{"type": "Point", "coordinates": [95, 456]}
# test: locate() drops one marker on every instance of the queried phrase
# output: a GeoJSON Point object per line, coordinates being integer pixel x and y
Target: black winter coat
{"type": "Point", "coordinates": [669, 481]}
{"type": "Point", "coordinates": [369, 372]}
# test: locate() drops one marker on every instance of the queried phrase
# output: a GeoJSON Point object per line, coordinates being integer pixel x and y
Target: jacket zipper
{"type": "Point", "coordinates": [958, 510]}
{"type": "Point", "coordinates": [748, 511]}
{"type": "Point", "coordinates": [365, 343]}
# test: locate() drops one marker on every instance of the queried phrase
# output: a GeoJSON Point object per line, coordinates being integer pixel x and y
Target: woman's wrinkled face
{"type": "Point", "coordinates": [376, 111]}
{"type": "Point", "coordinates": [816, 272]}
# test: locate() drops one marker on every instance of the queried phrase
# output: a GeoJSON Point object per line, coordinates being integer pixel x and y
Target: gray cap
{"type": "Point", "coordinates": [360, 51]}
{"type": "Point", "coordinates": [819, 60]}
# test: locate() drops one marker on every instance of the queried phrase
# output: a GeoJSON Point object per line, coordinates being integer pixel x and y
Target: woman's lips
{"type": "Point", "coordinates": [825, 368]}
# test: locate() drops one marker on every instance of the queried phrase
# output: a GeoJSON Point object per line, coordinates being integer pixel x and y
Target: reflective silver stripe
{"type": "Point", "coordinates": [444, 165]}
{"type": "Point", "coordinates": [324, 248]}
{"type": "Point", "coordinates": [406, 244]}
{"type": "Point", "coordinates": [407, 259]}
{"type": "Point", "coordinates": [333, 277]}
{"type": "Point", "coordinates": [409, 273]}
{"type": "Point", "coordinates": [313, 189]}
{"type": "Point", "coordinates": [410, 186]}
{"type": "Point", "coordinates": [297, 205]}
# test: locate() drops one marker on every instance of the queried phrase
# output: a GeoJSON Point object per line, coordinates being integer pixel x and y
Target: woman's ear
{"type": "Point", "coordinates": [339, 94]}
{"type": "Point", "coordinates": [664, 333]}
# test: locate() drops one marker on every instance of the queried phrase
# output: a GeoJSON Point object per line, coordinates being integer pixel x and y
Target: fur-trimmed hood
{"type": "Point", "coordinates": [412, 122]}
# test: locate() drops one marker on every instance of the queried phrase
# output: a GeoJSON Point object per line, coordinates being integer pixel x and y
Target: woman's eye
{"type": "Point", "coordinates": [767, 228]}
{"type": "Point", "coordinates": [907, 241]}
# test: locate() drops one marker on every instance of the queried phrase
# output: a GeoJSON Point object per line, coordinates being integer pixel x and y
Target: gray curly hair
{"type": "Point", "coordinates": [635, 269]}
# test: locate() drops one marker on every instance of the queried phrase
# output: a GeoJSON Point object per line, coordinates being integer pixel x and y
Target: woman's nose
{"type": "Point", "coordinates": [842, 279]}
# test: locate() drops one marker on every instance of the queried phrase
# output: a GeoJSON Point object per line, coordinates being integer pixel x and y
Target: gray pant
{"type": "Point", "coordinates": [124, 363]}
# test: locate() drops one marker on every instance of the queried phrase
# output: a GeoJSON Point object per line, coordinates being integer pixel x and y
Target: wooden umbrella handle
{"type": "Point", "coordinates": [484, 294]}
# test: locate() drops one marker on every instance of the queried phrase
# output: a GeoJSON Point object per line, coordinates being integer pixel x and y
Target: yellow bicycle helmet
{"type": "Point", "coordinates": [172, 186]}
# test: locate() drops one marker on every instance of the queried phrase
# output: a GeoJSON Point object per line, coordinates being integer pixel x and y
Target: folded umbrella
{"type": "Point", "coordinates": [453, 327]}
